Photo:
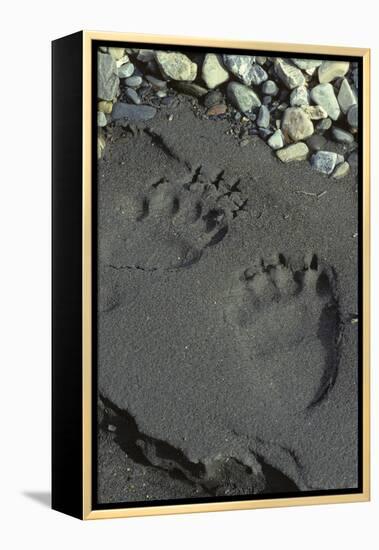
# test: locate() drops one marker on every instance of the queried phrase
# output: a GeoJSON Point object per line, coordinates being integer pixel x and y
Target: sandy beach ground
{"type": "Point", "coordinates": [227, 307]}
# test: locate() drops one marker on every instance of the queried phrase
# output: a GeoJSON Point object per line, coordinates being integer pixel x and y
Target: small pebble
{"type": "Point", "coordinates": [299, 96]}
{"type": "Point", "coordinates": [244, 142]}
{"type": "Point", "coordinates": [190, 88]}
{"type": "Point", "coordinates": [353, 159]}
{"type": "Point", "coordinates": [215, 110]}
{"type": "Point", "coordinates": [324, 125]}
{"type": "Point", "coordinates": [126, 70]}
{"type": "Point", "coordinates": [105, 107]}
{"type": "Point", "coordinates": [213, 98]}
{"type": "Point", "coordinates": [257, 75]}
{"type": "Point", "coordinates": [261, 59]}
{"type": "Point", "coordinates": [242, 97]}
{"type": "Point", "coordinates": [156, 83]}
{"type": "Point", "coordinates": [341, 170]}
{"type": "Point", "coordinates": [263, 120]}
{"type": "Point", "coordinates": [352, 116]}
{"type": "Point", "coordinates": [264, 133]}
{"type": "Point", "coordinates": [133, 81]}
{"type": "Point", "coordinates": [341, 135]}
{"type": "Point", "coordinates": [316, 142]}
{"type": "Point", "coordinates": [101, 119]}
{"type": "Point", "coordinates": [270, 88]}
{"type": "Point", "coordinates": [132, 95]}
{"type": "Point", "coordinates": [116, 53]}
{"type": "Point", "coordinates": [276, 141]}
{"type": "Point", "coordinates": [315, 112]}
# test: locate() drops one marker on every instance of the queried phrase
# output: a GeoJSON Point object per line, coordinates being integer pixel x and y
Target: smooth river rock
{"type": "Point", "coordinates": [213, 72]}
{"type": "Point", "coordinates": [295, 152]}
{"type": "Point", "coordinates": [107, 78]}
{"type": "Point", "coordinates": [240, 66]}
{"type": "Point", "coordinates": [323, 95]}
{"type": "Point", "coordinates": [176, 65]}
{"type": "Point", "coordinates": [296, 124]}
{"type": "Point", "coordinates": [346, 97]}
{"type": "Point", "coordinates": [242, 97]}
{"type": "Point", "coordinates": [330, 70]}
{"type": "Point", "coordinates": [324, 161]}
{"type": "Point", "coordinates": [291, 76]}
{"type": "Point", "coordinates": [133, 113]}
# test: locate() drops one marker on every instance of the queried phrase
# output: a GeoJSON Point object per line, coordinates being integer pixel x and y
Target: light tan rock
{"type": "Point", "coordinates": [296, 124]}
{"type": "Point", "coordinates": [341, 170]}
{"type": "Point", "coordinates": [213, 72]}
{"type": "Point", "coordinates": [330, 70]}
{"type": "Point", "coordinates": [116, 53]}
{"type": "Point", "coordinates": [315, 112]}
{"type": "Point", "coordinates": [295, 152]}
{"type": "Point", "coordinates": [124, 59]}
{"type": "Point", "coordinates": [176, 65]}
{"type": "Point", "coordinates": [105, 107]}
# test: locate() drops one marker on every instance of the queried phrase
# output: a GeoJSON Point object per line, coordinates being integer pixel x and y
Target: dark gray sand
{"type": "Point", "coordinates": [227, 355]}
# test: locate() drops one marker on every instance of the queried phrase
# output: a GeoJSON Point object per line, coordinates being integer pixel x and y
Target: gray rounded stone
{"type": "Point", "coordinates": [126, 70]}
{"type": "Point", "coordinates": [156, 83]}
{"type": "Point", "coordinates": [354, 159]}
{"type": "Point", "coordinates": [270, 88]}
{"type": "Point", "coordinates": [242, 97]}
{"type": "Point", "coordinates": [132, 95]}
{"type": "Point", "coordinates": [190, 88]}
{"type": "Point", "coordinates": [342, 136]}
{"type": "Point", "coordinates": [316, 142]}
{"type": "Point", "coordinates": [145, 55]}
{"type": "Point", "coordinates": [324, 125]}
{"type": "Point", "coordinates": [260, 59]}
{"type": "Point", "coordinates": [213, 98]}
{"type": "Point", "coordinates": [323, 95]}
{"type": "Point", "coordinates": [263, 120]}
{"type": "Point", "coordinates": [134, 81]}
{"type": "Point", "coordinates": [299, 96]}
{"type": "Point", "coordinates": [352, 116]}
{"type": "Point", "coordinates": [132, 113]}
{"type": "Point", "coordinates": [101, 119]}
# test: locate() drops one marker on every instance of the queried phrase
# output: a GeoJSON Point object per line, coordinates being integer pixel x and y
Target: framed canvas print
{"type": "Point", "coordinates": [210, 275]}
